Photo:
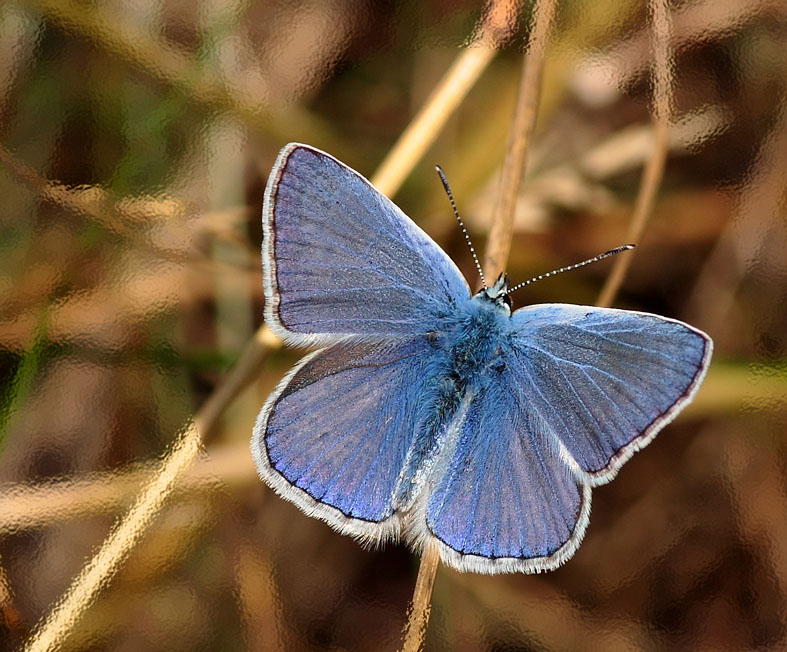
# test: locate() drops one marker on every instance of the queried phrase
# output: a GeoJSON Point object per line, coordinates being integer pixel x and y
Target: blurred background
{"type": "Point", "coordinates": [135, 142]}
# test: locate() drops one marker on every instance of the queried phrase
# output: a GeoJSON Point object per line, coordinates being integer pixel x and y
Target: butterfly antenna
{"type": "Point", "coordinates": [461, 223]}
{"type": "Point", "coordinates": [606, 254]}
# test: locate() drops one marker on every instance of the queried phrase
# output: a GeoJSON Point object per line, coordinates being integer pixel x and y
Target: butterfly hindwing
{"type": "Point", "coordinates": [341, 258]}
{"type": "Point", "coordinates": [605, 381]}
{"type": "Point", "coordinates": [504, 500]}
{"type": "Point", "coordinates": [334, 436]}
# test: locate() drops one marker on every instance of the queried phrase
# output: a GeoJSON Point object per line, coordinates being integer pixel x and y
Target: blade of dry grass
{"type": "Point", "coordinates": [446, 97]}
{"type": "Point", "coordinates": [132, 218]}
{"type": "Point", "coordinates": [496, 256]}
{"type": "Point", "coordinates": [132, 526]}
{"type": "Point", "coordinates": [519, 137]}
{"type": "Point", "coordinates": [418, 615]}
{"type": "Point", "coordinates": [654, 170]}
{"type": "Point", "coordinates": [426, 125]}
{"type": "Point", "coordinates": [745, 238]}
{"type": "Point", "coordinates": [124, 535]}
{"type": "Point", "coordinates": [29, 507]}
{"type": "Point", "coordinates": [604, 76]}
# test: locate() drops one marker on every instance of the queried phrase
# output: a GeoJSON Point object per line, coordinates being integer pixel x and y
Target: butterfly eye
{"type": "Point", "coordinates": [500, 367]}
{"type": "Point", "coordinates": [506, 300]}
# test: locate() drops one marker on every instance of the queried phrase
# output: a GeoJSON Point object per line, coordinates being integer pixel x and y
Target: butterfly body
{"type": "Point", "coordinates": [434, 416]}
{"type": "Point", "coordinates": [467, 352]}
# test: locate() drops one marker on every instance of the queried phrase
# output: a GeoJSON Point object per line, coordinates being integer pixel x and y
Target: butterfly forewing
{"type": "Point", "coordinates": [341, 259]}
{"type": "Point", "coordinates": [605, 381]}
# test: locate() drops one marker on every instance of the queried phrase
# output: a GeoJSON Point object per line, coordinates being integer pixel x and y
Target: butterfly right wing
{"type": "Point", "coordinates": [340, 258]}
{"type": "Point", "coordinates": [605, 380]}
{"type": "Point", "coordinates": [334, 436]}
{"type": "Point", "coordinates": [578, 390]}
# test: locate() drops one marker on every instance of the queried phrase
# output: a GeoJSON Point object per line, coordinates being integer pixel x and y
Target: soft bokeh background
{"type": "Point", "coordinates": [136, 139]}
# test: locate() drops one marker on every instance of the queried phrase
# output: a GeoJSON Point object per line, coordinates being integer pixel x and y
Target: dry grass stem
{"type": "Point", "coordinates": [32, 506]}
{"type": "Point", "coordinates": [603, 75]}
{"type": "Point", "coordinates": [500, 17]}
{"type": "Point", "coordinates": [654, 170]}
{"type": "Point", "coordinates": [243, 373]}
{"type": "Point", "coordinates": [147, 222]}
{"type": "Point", "coordinates": [426, 126]}
{"type": "Point", "coordinates": [418, 617]}
{"type": "Point", "coordinates": [519, 137]}
{"type": "Point", "coordinates": [446, 97]}
{"type": "Point", "coordinates": [61, 619]}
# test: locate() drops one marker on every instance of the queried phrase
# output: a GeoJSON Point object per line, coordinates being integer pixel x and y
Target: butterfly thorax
{"type": "Point", "coordinates": [473, 335]}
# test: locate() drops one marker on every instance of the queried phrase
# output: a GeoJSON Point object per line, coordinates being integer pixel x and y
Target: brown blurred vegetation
{"type": "Point", "coordinates": [135, 140]}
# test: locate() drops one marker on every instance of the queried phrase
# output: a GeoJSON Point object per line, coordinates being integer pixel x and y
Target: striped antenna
{"type": "Point", "coordinates": [461, 223]}
{"type": "Point", "coordinates": [606, 254]}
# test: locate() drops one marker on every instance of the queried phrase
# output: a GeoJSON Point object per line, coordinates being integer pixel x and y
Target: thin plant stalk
{"type": "Point", "coordinates": [60, 621]}
{"type": "Point", "coordinates": [496, 256]}
{"type": "Point", "coordinates": [519, 137]}
{"type": "Point", "coordinates": [428, 123]}
{"type": "Point", "coordinates": [418, 617]}
{"type": "Point", "coordinates": [654, 169]}
{"type": "Point", "coordinates": [132, 526]}
{"type": "Point", "coordinates": [444, 100]}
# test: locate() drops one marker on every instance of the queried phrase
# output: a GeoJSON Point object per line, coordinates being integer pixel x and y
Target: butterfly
{"type": "Point", "coordinates": [430, 414]}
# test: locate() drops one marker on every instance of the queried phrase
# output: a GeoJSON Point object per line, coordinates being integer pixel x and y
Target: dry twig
{"type": "Point", "coordinates": [654, 170]}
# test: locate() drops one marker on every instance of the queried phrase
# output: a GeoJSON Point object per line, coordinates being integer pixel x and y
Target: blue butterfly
{"type": "Point", "coordinates": [434, 415]}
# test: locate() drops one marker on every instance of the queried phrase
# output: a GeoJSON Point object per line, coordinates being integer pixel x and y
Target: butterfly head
{"type": "Point", "coordinates": [498, 293]}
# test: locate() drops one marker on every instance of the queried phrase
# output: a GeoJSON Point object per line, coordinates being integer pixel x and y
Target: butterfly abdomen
{"type": "Point", "coordinates": [468, 349]}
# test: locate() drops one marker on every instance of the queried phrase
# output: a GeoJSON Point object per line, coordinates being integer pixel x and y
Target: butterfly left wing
{"type": "Point", "coordinates": [334, 436]}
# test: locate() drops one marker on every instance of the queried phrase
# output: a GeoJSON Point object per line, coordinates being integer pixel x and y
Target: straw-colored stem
{"type": "Point", "coordinates": [654, 169]}
{"type": "Point", "coordinates": [446, 97]}
{"type": "Point", "coordinates": [519, 138]}
{"type": "Point", "coordinates": [243, 373]}
{"type": "Point", "coordinates": [126, 533]}
{"type": "Point", "coordinates": [426, 125]}
{"type": "Point", "coordinates": [521, 130]}
{"type": "Point", "coordinates": [47, 505]}
{"type": "Point", "coordinates": [418, 620]}
{"type": "Point", "coordinates": [130, 528]}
